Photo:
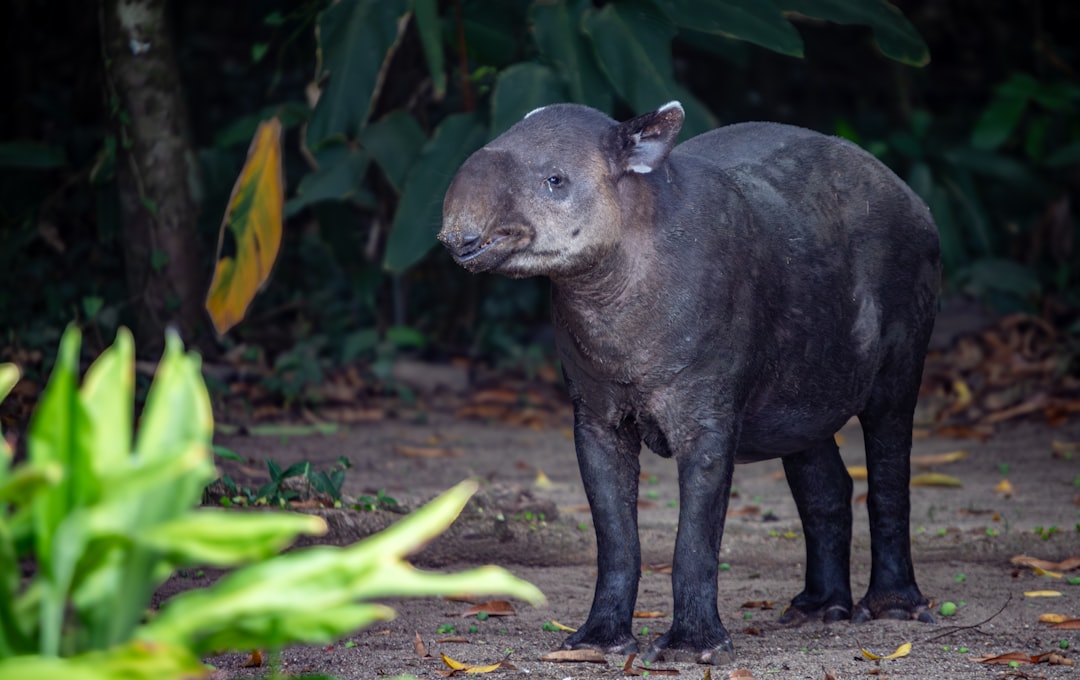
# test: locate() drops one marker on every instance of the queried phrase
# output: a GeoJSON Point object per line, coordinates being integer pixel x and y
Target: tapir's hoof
{"type": "Point", "coordinates": [608, 644]}
{"type": "Point", "coordinates": [892, 606]}
{"type": "Point", "coordinates": [796, 616]}
{"type": "Point", "coordinates": [669, 647]}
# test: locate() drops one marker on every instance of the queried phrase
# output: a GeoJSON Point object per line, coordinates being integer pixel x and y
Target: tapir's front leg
{"type": "Point", "coordinates": [608, 458]}
{"type": "Point", "coordinates": [705, 471]}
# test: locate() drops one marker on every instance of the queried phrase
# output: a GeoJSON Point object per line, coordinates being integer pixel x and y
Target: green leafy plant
{"type": "Point", "coordinates": [105, 518]}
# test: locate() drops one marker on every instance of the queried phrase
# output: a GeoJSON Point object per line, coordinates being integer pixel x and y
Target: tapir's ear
{"type": "Point", "coordinates": [642, 143]}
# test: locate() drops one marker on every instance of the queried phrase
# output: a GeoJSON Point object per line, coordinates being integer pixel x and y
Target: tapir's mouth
{"type": "Point", "coordinates": [489, 252]}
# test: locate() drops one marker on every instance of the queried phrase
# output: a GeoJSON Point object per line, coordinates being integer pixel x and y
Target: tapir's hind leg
{"type": "Point", "coordinates": [822, 487]}
{"type": "Point", "coordinates": [886, 422]}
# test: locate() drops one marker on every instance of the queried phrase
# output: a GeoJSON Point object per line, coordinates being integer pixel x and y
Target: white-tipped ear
{"type": "Point", "coordinates": [537, 110]}
{"type": "Point", "coordinates": [642, 144]}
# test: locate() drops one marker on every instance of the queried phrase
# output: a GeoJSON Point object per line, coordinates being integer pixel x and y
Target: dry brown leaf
{"type": "Point", "coordinates": [458, 640]}
{"type": "Point", "coordinates": [1018, 657]}
{"type": "Point", "coordinates": [1068, 624]}
{"type": "Point", "coordinates": [740, 674]}
{"type": "Point", "coordinates": [574, 655]}
{"type": "Point", "coordinates": [254, 660]}
{"type": "Point", "coordinates": [629, 668]}
{"type": "Point", "coordinates": [1052, 618]}
{"type": "Point", "coordinates": [659, 568]}
{"type": "Point", "coordinates": [650, 615]}
{"type": "Point", "coordinates": [1067, 564]}
{"type": "Point", "coordinates": [645, 505]}
{"type": "Point", "coordinates": [428, 452]}
{"type": "Point", "coordinates": [745, 511]}
{"type": "Point", "coordinates": [419, 647]}
{"type": "Point", "coordinates": [1055, 659]}
{"type": "Point", "coordinates": [757, 604]}
{"type": "Point", "coordinates": [491, 608]}
{"type": "Point", "coordinates": [932, 459]}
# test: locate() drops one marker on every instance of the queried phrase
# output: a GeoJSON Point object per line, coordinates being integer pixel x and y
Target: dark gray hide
{"type": "Point", "coordinates": [735, 298]}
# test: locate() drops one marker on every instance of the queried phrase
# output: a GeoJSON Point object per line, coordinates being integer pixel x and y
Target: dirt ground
{"type": "Point", "coordinates": [963, 539]}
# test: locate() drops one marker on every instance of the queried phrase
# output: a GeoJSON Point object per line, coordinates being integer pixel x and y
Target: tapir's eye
{"type": "Point", "coordinates": [554, 180]}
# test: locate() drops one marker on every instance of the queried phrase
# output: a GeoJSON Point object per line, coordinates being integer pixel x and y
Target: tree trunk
{"type": "Point", "coordinates": [154, 169]}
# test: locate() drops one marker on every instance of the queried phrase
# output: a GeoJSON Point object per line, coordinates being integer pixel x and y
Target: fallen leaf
{"type": "Point", "coordinates": [1055, 659]}
{"type": "Point", "coordinates": [574, 655]}
{"type": "Point", "coordinates": [1067, 564]}
{"type": "Point", "coordinates": [1042, 593]}
{"type": "Point", "coordinates": [455, 665]}
{"type": "Point", "coordinates": [659, 568]}
{"type": "Point", "coordinates": [740, 674]}
{"type": "Point", "coordinates": [491, 608]}
{"type": "Point", "coordinates": [563, 627]}
{"type": "Point", "coordinates": [649, 615]}
{"type": "Point", "coordinates": [932, 459]}
{"type": "Point", "coordinates": [902, 650]}
{"type": "Point", "coordinates": [629, 668]}
{"type": "Point", "coordinates": [757, 604]}
{"type": "Point", "coordinates": [254, 660]}
{"type": "Point", "coordinates": [429, 452]}
{"type": "Point", "coordinates": [935, 479]}
{"type": "Point", "coordinates": [1052, 618]}
{"type": "Point", "coordinates": [419, 647]}
{"type": "Point", "coordinates": [1011, 657]}
{"type": "Point", "coordinates": [542, 480]}
{"type": "Point", "coordinates": [1045, 572]}
{"type": "Point", "coordinates": [459, 640]}
{"type": "Point", "coordinates": [745, 511]}
{"type": "Point", "coordinates": [839, 439]}
{"type": "Point", "coordinates": [1004, 488]}
{"type": "Point", "coordinates": [858, 472]}
{"type": "Point", "coordinates": [1068, 624]}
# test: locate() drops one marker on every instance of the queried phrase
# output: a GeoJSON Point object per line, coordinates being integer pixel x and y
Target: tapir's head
{"type": "Point", "coordinates": [548, 196]}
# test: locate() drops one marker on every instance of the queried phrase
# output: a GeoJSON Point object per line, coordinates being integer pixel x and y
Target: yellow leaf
{"type": "Point", "coordinates": [254, 218]}
{"type": "Point", "coordinates": [902, 650]}
{"type": "Point", "coordinates": [857, 471]}
{"type": "Point", "coordinates": [935, 479]}
{"type": "Point", "coordinates": [963, 395]}
{"type": "Point", "coordinates": [563, 627]}
{"type": "Point", "coordinates": [1004, 488]}
{"type": "Point", "coordinates": [458, 666]}
{"type": "Point", "coordinates": [1042, 593]}
{"type": "Point", "coordinates": [1046, 572]}
{"type": "Point", "coordinates": [839, 439]}
{"type": "Point", "coordinates": [1052, 618]}
{"type": "Point", "coordinates": [542, 480]}
{"type": "Point", "coordinates": [932, 459]}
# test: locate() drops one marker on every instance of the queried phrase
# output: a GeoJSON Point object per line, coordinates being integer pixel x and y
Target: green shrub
{"type": "Point", "coordinates": [106, 520]}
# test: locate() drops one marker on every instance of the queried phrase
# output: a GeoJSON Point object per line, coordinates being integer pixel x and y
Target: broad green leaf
{"type": "Point", "coordinates": [253, 220]}
{"type": "Point", "coordinates": [1001, 275]}
{"type": "Point", "coordinates": [9, 375]}
{"type": "Point", "coordinates": [520, 89]}
{"type": "Point", "coordinates": [324, 580]}
{"type": "Point", "coordinates": [756, 21]}
{"type": "Point", "coordinates": [133, 661]}
{"type": "Point", "coordinates": [633, 45]}
{"type": "Point", "coordinates": [356, 40]}
{"type": "Point", "coordinates": [216, 538]}
{"type": "Point", "coordinates": [1066, 155]}
{"type": "Point", "coordinates": [108, 396]}
{"type": "Point", "coordinates": [419, 212]}
{"type": "Point", "coordinates": [429, 26]}
{"type": "Point", "coordinates": [31, 156]}
{"type": "Point", "coordinates": [394, 141]}
{"type": "Point", "coordinates": [997, 122]}
{"type": "Point", "coordinates": [341, 181]}
{"type": "Point", "coordinates": [895, 36]}
{"type": "Point", "coordinates": [556, 29]}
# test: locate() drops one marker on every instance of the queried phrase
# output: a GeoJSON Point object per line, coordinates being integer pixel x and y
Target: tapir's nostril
{"type": "Point", "coordinates": [459, 241]}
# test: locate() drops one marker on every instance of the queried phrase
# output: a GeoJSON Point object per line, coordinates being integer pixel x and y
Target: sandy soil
{"type": "Point", "coordinates": [963, 540]}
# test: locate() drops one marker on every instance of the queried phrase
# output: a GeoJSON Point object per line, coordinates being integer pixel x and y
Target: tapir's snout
{"type": "Point", "coordinates": [460, 242]}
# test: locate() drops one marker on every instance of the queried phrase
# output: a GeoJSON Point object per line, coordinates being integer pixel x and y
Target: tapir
{"type": "Point", "coordinates": [733, 298]}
